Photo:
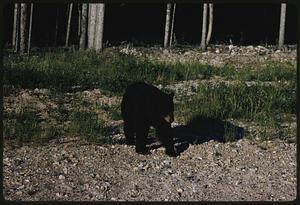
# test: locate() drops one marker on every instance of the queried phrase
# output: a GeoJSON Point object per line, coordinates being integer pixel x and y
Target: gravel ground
{"type": "Point", "coordinates": [218, 55]}
{"type": "Point", "coordinates": [212, 171]}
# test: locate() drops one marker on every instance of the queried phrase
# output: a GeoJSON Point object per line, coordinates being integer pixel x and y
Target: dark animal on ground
{"type": "Point", "coordinates": [143, 106]}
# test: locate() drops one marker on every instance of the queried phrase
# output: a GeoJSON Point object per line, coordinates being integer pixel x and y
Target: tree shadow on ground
{"type": "Point", "coordinates": [203, 129]}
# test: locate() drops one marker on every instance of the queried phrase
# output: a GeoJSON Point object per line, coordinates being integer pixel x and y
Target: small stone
{"type": "Point", "coordinates": [167, 163]}
{"type": "Point", "coordinates": [190, 176]}
{"type": "Point", "coordinates": [61, 177]}
{"type": "Point", "coordinates": [141, 167]}
{"type": "Point", "coordinates": [86, 186]}
{"type": "Point", "coordinates": [55, 163]}
{"type": "Point", "coordinates": [6, 162]}
{"type": "Point", "coordinates": [65, 170]}
{"type": "Point", "coordinates": [180, 191]}
{"type": "Point", "coordinates": [170, 171]}
{"type": "Point", "coordinates": [106, 186]}
{"type": "Point", "coordinates": [21, 187]}
{"type": "Point", "coordinates": [250, 47]}
{"type": "Point", "coordinates": [218, 154]}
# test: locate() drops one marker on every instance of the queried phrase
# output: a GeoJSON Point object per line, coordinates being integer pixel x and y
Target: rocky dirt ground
{"type": "Point", "coordinates": [72, 169]}
{"type": "Point", "coordinates": [217, 55]}
{"type": "Point", "coordinates": [212, 171]}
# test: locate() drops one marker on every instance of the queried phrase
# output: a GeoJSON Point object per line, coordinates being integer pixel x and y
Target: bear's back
{"type": "Point", "coordinates": [147, 98]}
{"type": "Point", "coordinates": [141, 91]}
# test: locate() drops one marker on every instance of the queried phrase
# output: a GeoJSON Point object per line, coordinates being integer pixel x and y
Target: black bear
{"type": "Point", "coordinates": [143, 106]}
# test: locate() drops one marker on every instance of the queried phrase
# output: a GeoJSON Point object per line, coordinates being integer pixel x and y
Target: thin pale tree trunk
{"type": "Point", "coordinates": [18, 28]}
{"type": "Point", "coordinates": [167, 25]}
{"type": "Point", "coordinates": [96, 31]}
{"type": "Point", "coordinates": [56, 27]}
{"type": "Point", "coordinates": [23, 27]}
{"type": "Point", "coordinates": [99, 27]}
{"type": "Point", "coordinates": [172, 26]}
{"type": "Point", "coordinates": [15, 26]}
{"type": "Point", "coordinates": [83, 26]}
{"type": "Point", "coordinates": [69, 24]}
{"type": "Point", "coordinates": [210, 24]}
{"type": "Point", "coordinates": [30, 29]}
{"type": "Point", "coordinates": [79, 18]}
{"type": "Point", "coordinates": [91, 25]}
{"type": "Point", "coordinates": [204, 24]}
{"type": "Point", "coordinates": [282, 26]}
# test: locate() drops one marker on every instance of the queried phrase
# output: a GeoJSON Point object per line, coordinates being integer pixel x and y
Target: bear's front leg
{"type": "Point", "coordinates": [142, 130]}
{"type": "Point", "coordinates": [165, 134]}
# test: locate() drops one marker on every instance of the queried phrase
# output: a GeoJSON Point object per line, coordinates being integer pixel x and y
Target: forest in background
{"type": "Point", "coordinates": [145, 24]}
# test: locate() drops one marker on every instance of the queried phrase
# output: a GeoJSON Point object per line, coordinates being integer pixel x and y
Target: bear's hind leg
{"type": "Point", "coordinates": [129, 131]}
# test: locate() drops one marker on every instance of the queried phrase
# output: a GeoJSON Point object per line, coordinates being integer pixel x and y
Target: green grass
{"type": "Point", "coordinates": [22, 127]}
{"type": "Point", "coordinates": [110, 72]}
{"type": "Point", "coordinates": [113, 111]}
{"type": "Point", "coordinates": [27, 127]}
{"type": "Point", "coordinates": [72, 116]}
{"type": "Point", "coordinates": [239, 101]}
{"type": "Point", "coordinates": [271, 71]}
{"type": "Point", "coordinates": [114, 71]}
{"type": "Point", "coordinates": [89, 126]}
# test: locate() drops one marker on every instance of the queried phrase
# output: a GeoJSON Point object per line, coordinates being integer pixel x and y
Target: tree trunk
{"type": "Point", "coordinates": [204, 22]}
{"type": "Point", "coordinates": [30, 28]}
{"type": "Point", "coordinates": [16, 27]}
{"type": "Point", "coordinates": [79, 6]}
{"type": "Point", "coordinates": [211, 16]}
{"type": "Point", "coordinates": [56, 26]}
{"type": "Point", "coordinates": [282, 26]}
{"type": "Point", "coordinates": [99, 27]}
{"type": "Point", "coordinates": [83, 26]}
{"type": "Point", "coordinates": [95, 26]}
{"type": "Point", "coordinates": [69, 24]}
{"type": "Point", "coordinates": [167, 25]}
{"type": "Point", "coordinates": [91, 25]}
{"type": "Point", "coordinates": [172, 26]}
{"type": "Point", "coordinates": [23, 28]}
